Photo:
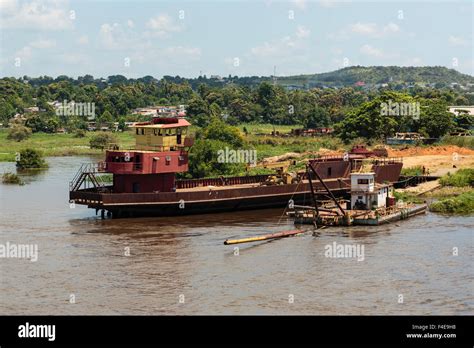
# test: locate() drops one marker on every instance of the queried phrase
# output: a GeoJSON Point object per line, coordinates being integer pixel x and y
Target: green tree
{"type": "Point", "coordinates": [198, 111]}
{"type": "Point", "coordinates": [204, 155]}
{"type": "Point", "coordinates": [435, 120]}
{"type": "Point", "coordinates": [318, 117]}
{"type": "Point", "coordinates": [376, 119]}
{"type": "Point", "coordinates": [106, 119]}
{"type": "Point", "coordinates": [7, 111]}
{"type": "Point", "coordinates": [121, 124]}
{"type": "Point", "coordinates": [463, 120]}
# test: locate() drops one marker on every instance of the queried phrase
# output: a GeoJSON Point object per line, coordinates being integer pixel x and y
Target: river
{"type": "Point", "coordinates": [180, 265]}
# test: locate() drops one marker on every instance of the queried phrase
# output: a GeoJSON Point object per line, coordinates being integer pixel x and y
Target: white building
{"type": "Point", "coordinates": [366, 194]}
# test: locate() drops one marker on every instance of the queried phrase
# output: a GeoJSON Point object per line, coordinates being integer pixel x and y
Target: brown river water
{"type": "Point", "coordinates": [180, 265]}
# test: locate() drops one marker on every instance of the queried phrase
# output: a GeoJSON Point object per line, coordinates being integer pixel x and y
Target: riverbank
{"type": "Point", "coordinates": [51, 145]}
{"type": "Point", "coordinates": [453, 193]}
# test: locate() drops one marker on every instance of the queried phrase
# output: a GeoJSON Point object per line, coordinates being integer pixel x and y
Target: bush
{"type": "Point", "coordinates": [463, 177]}
{"type": "Point", "coordinates": [79, 133]}
{"type": "Point", "coordinates": [11, 178]}
{"type": "Point", "coordinates": [31, 159]}
{"type": "Point", "coordinates": [102, 140]}
{"type": "Point", "coordinates": [19, 133]}
{"type": "Point", "coordinates": [462, 204]}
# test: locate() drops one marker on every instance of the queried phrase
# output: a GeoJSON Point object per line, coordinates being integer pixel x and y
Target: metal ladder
{"type": "Point", "coordinates": [88, 170]}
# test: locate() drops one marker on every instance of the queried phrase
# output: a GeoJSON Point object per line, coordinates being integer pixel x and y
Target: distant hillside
{"type": "Point", "coordinates": [374, 76]}
{"type": "Point", "coordinates": [379, 75]}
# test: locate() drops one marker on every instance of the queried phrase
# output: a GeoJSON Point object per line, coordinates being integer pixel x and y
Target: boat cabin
{"type": "Point", "coordinates": [366, 194]}
{"type": "Point", "coordinates": [161, 134]}
{"type": "Point", "coordinates": [161, 151]}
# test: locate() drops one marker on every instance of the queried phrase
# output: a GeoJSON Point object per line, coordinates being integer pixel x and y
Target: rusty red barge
{"type": "Point", "coordinates": [144, 179]}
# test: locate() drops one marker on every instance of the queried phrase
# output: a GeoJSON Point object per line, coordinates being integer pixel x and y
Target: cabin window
{"type": "Point", "coordinates": [136, 130]}
{"type": "Point", "coordinates": [168, 160]}
{"type": "Point", "coordinates": [362, 181]}
{"type": "Point", "coordinates": [359, 197]}
{"type": "Point", "coordinates": [136, 187]}
{"type": "Point", "coordinates": [143, 131]}
{"type": "Point", "coordinates": [154, 131]}
{"type": "Point", "coordinates": [329, 171]}
{"type": "Point", "coordinates": [371, 181]}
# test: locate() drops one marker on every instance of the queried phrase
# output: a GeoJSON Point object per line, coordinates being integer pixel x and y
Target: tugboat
{"type": "Point", "coordinates": [370, 203]}
{"type": "Point", "coordinates": [144, 179]}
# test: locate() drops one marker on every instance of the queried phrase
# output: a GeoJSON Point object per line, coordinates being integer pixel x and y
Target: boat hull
{"type": "Point", "coordinates": [203, 201]}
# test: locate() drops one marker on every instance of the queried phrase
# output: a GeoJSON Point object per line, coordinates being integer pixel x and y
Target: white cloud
{"type": "Point", "coordinates": [83, 40]}
{"type": "Point", "coordinates": [181, 50]}
{"type": "Point", "coordinates": [371, 51]}
{"type": "Point", "coordinates": [372, 29]}
{"type": "Point", "coordinates": [302, 32]}
{"type": "Point", "coordinates": [301, 4]}
{"type": "Point", "coordinates": [42, 15]}
{"type": "Point", "coordinates": [391, 28]}
{"type": "Point", "coordinates": [328, 3]}
{"type": "Point", "coordinates": [8, 6]}
{"type": "Point", "coordinates": [24, 53]}
{"type": "Point", "coordinates": [118, 36]}
{"type": "Point", "coordinates": [162, 25]}
{"type": "Point", "coordinates": [457, 41]}
{"type": "Point", "coordinates": [283, 46]}
{"type": "Point", "coordinates": [27, 51]}
{"type": "Point", "coordinates": [130, 23]}
{"type": "Point", "coordinates": [364, 28]}
{"type": "Point", "coordinates": [43, 44]}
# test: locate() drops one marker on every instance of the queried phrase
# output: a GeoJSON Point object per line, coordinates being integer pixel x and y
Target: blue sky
{"type": "Point", "coordinates": [186, 38]}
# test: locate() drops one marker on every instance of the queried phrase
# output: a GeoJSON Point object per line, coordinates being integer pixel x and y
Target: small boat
{"type": "Point", "coordinates": [370, 203]}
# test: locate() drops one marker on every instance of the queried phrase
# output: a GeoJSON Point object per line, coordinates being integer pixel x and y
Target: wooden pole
{"type": "Point", "coordinates": [264, 237]}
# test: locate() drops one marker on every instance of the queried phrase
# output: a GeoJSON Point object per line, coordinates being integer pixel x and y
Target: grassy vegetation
{"type": "Point", "coordinates": [458, 141]}
{"type": "Point", "coordinates": [11, 178]}
{"type": "Point", "coordinates": [463, 177]}
{"type": "Point", "coordinates": [457, 193]}
{"type": "Point", "coordinates": [447, 192]}
{"type": "Point", "coordinates": [56, 144]}
{"type": "Point", "coordinates": [462, 204]}
{"type": "Point", "coordinates": [407, 197]}
{"type": "Point", "coordinates": [266, 128]}
{"type": "Point", "coordinates": [268, 145]}
{"type": "Point", "coordinates": [412, 171]}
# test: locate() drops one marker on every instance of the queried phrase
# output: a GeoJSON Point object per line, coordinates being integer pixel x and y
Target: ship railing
{"type": "Point", "coordinates": [222, 181]}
